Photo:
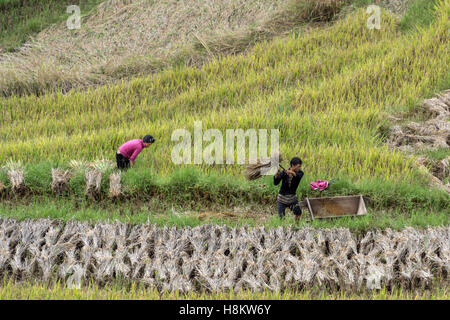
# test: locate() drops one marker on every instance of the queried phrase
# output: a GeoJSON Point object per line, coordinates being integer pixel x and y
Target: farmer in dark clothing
{"type": "Point", "coordinates": [129, 151]}
{"type": "Point", "coordinates": [287, 197]}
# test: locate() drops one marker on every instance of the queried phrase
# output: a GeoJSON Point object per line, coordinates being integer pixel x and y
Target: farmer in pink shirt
{"type": "Point", "coordinates": [130, 150]}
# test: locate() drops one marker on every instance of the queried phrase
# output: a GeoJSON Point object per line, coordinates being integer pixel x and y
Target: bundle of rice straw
{"type": "Point", "coordinates": [256, 170]}
{"type": "Point", "coordinates": [60, 180]}
{"type": "Point", "coordinates": [93, 181]}
{"type": "Point", "coordinates": [114, 185]}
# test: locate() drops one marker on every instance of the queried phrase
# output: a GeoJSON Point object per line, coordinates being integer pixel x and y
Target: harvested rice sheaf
{"type": "Point", "coordinates": [60, 180]}
{"type": "Point", "coordinates": [114, 185]}
{"type": "Point", "coordinates": [209, 257]}
{"type": "Point", "coordinates": [93, 182]}
{"type": "Point", "coordinates": [16, 178]}
{"type": "Point", "coordinates": [262, 166]}
{"type": "Point", "coordinates": [434, 133]}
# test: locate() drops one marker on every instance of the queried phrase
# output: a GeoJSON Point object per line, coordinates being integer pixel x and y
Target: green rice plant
{"type": "Point", "coordinates": [10, 290]}
{"type": "Point", "coordinates": [193, 189]}
{"type": "Point", "coordinates": [420, 13]}
{"type": "Point", "coordinates": [4, 181]}
{"type": "Point", "coordinates": [103, 165]}
{"type": "Point", "coordinates": [436, 154]}
{"type": "Point", "coordinates": [38, 178]}
{"type": "Point", "coordinates": [77, 184]}
{"type": "Point", "coordinates": [78, 165]}
{"type": "Point", "coordinates": [140, 181]}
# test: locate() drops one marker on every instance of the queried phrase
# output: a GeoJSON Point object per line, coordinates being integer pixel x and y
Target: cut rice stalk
{"type": "Point", "coordinates": [114, 185]}
{"type": "Point", "coordinates": [60, 180]}
{"type": "Point", "coordinates": [262, 166]}
{"type": "Point", "coordinates": [93, 182]}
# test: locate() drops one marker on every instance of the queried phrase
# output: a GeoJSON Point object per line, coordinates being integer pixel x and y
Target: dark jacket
{"type": "Point", "coordinates": [284, 178]}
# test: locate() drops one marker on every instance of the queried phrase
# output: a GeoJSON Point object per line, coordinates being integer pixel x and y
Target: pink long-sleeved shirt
{"type": "Point", "coordinates": [132, 148]}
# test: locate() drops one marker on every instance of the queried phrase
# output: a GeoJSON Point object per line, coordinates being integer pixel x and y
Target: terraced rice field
{"type": "Point", "coordinates": [368, 107]}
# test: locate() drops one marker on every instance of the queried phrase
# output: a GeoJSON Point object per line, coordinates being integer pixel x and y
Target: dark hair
{"type": "Point", "coordinates": [295, 161]}
{"type": "Point", "coordinates": [148, 139]}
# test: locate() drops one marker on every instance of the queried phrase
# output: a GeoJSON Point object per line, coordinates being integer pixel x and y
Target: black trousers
{"type": "Point", "coordinates": [122, 162]}
{"type": "Point", "coordinates": [295, 207]}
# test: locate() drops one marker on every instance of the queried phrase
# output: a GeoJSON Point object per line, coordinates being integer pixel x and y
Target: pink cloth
{"type": "Point", "coordinates": [131, 149]}
{"type": "Point", "coordinates": [319, 184]}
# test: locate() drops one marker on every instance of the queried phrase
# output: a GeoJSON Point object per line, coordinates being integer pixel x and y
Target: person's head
{"type": "Point", "coordinates": [148, 140]}
{"type": "Point", "coordinates": [296, 164]}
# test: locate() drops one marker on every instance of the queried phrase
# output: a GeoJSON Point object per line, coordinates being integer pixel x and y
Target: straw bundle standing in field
{"type": "Point", "coordinates": [16, 177]}
{"type": "Point", "coordinates": [60, 180]}
{"type": "Point", "coordinates": [15, 172]}
{"type": "Point", "coordinates": [93, 181]}
{"type": "Point", "coordinates": [114, 185]}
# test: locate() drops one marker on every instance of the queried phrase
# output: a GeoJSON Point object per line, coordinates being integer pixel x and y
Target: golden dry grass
{"type": "Point", "coordinates": [116, 34]}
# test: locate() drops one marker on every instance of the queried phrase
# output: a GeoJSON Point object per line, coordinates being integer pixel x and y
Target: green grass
{"type": "Point", "coordinates": [192, 189]}
{"type": "Point", "coordinates": [363, 3]}
{"type": "Point", "coordinates": [421, 13]}
{"type": "Point", "coordinates": [436, 154]}
{"type": "Point", "coordinates": [176, 214]}
{"type": "Point", "coordinates": [39, 291]}
{"type": "Point", "coordinates": [19, 20]}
